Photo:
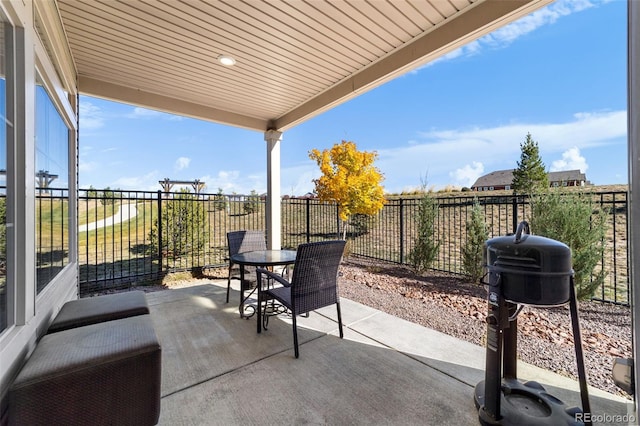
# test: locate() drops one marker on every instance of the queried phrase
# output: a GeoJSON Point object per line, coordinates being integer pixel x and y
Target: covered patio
{"type": "Point", "coordinates": [217, 370]}
{"type": "Point", "coordinates": [264, 66]}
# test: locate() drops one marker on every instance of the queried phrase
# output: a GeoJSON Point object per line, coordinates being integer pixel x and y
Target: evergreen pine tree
{"type": "Point", "coordinates": [472, 250]}
{"type": "Point", "coordinates": [530, 177]}
{"type": "Point", "coordinates": [184, 226]}
{"type": "Point", "coordinates": [426, 245]}
{"type": "Point", "coordinates": [219, 201]}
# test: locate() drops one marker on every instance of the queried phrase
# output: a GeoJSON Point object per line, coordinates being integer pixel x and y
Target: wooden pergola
{"type": "Point", "coordinates": [167, 184]}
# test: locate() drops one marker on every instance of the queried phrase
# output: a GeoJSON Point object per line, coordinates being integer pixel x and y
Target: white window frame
{"type": "Point", "coordinates": [28, 55]}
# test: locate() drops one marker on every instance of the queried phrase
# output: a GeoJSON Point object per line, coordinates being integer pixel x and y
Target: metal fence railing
{"type": "Point", "coordinates": [122, 241]}
{"type": "Point", "coordinates": [52, 233]}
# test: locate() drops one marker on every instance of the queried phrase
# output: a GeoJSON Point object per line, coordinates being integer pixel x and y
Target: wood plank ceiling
{"type": "Point", "coordinates": [294, 59]}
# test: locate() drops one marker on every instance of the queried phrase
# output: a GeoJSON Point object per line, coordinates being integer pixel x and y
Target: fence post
{"type": "Point", "coordinates": [338, 222]}
{"type": "Point", "coordinates": [401, 231]}
{"type": "Point", "coordinates": [160, 228]}
{"type": "Point", "coordinates": [308, 218]}
{"type": "Point", "coordinates": [515, 213]}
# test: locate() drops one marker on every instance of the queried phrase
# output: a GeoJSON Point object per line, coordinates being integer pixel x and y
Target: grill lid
{"type": "Point", "coordinates": [524, 253]}
{"type": "Point", "coordinates": [533, 269]}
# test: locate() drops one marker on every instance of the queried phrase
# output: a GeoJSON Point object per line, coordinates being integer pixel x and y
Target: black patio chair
{"type": "Point", "coordinates": [313, 285]}
{"type": "Point", "coordinates": [240, 242]}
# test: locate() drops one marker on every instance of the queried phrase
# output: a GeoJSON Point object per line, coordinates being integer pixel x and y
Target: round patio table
{"type": "Point", "coordinates": [264, 259]}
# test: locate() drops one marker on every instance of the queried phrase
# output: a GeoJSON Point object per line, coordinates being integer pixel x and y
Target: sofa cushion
{"type": "Point", "coordinates": [91, 310]}
{"type": "Point", "coordinates": [105, 373]}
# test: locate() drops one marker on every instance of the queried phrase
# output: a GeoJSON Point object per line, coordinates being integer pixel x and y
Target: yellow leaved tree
{"type": "Point", "coordinates": [350, 179]}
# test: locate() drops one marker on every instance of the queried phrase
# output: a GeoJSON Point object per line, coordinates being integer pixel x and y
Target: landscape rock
{"type": "Point", "coordinates": [454, 306]}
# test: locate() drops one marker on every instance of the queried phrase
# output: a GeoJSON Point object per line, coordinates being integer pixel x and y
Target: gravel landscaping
{"type": "Point", "coordinates": [457, 307]}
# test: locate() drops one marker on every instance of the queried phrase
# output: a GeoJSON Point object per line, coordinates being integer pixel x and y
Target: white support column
{"type": "Point", "coordinates": [274, 218]}
{"type": "Point", "coordinates": [633, 122]}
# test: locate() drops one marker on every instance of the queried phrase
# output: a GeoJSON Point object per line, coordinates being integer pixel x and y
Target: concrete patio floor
{"type": "Point", "coordinates": [216, 370]}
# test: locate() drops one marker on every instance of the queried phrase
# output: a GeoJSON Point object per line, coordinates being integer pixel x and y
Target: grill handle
{"type": "Point", "coordinates": [524, 225]}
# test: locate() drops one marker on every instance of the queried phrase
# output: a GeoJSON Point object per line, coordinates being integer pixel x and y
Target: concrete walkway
{"type": "Point", "coordinates": [124, 213]}
{"type": "Point", "coordinates": [218, 371]}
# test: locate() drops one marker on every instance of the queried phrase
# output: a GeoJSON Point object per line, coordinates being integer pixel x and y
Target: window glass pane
{"type": "Point", "coordinates": [52, 190]}
{"type": "Point", "coordinates": [4, 291]}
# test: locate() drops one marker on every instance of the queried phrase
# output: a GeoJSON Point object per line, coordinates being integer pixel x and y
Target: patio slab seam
{"type": "Point", "coordinates": [233, 370]}
{"type": "Point", "coordinates": [398, 350]}
{"type": "Point", "coordinates": [329, 317]}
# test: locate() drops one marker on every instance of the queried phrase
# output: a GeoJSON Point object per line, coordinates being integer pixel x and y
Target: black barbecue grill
{"type": "Point", "coordinates": [534, 270]}
{"type": "Point", "coordinates": [524, 269]}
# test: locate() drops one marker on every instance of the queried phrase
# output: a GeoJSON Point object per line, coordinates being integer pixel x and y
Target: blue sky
{"type": "Point", "coordinates": [559, 74]}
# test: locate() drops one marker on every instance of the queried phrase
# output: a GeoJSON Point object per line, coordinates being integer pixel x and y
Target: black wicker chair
{"type": "Point", "coordinates": [313, 285]}
{"type": "Point", "coordinates": [239, 242]}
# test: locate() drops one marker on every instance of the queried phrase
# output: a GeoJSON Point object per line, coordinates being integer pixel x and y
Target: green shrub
{"type": "Point", "coordinates": [184, 227]}
{"type": "Point", "coordinates": [574, 219]}
{"type": "Point", "coordinates": [91, 192]}
{"type": "Point", "coordinates": [359, 224]}
{"type": "Point", "coordinates": [425, 250]}
{"type": "Point", "coordinates": [477, 234]}
{"type": "Point", "coordinates": [219, 201]}
{"type": "Point", "coordinates": [107, 197]}
{"type": "Point", "coordinates": [251, 203]}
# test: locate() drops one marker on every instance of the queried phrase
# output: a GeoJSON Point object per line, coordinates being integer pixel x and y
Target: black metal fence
{"type": "Point", "coordinates": [52, 233]}
{"type": "Point", "coordinates": [121, 240]}
{"type": "Point", "coordinates": [392, 234]}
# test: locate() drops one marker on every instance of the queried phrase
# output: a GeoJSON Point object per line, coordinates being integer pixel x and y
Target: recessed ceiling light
{"type": "Point", "coordinates": [227, 61]}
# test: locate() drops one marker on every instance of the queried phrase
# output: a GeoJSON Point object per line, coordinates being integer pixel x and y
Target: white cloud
{"type": "Point", "coordinates": [91, 116]}
{"type": "Point", "coordinates": [86, 166]}
{"type": "Point", "coordinates": [467, 175]}
{"type": "Point", "coordinates": [231, 181]}
{"type": "Point", "coordinates": [443, 156]}
{"type": "Point", "coordinates": [144, 113]}
{"type": "Point", "coordinates": [146, 182]}
{"type": "Point", "coordinates": [295, 180]}
{"type": "Point", "coordinates": [545, 16]}
{"type": "Point", "coordinates": [586, 130]}
{"type": "Point", "coordinates": [182, 163]}
{"type": "Point", "coordinates": [506, 35]}
{"type": "Point", "coordinates": [450, 153]}
{"type": "Point", "coordinates": [571, 160]}
{"type": "Point", "coordinates": [298, 179]}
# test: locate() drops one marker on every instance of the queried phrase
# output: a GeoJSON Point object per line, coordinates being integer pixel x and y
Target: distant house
{"type": "Point", "coordinates": [494, 181]}
{"type": "Point", "coordinates": [502, 180]}
{"type": "Point", "coordinates": [567, 178]}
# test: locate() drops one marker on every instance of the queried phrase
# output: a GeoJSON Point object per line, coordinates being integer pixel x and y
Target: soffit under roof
{"type": "Point", "coordinates": [294, 59]}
